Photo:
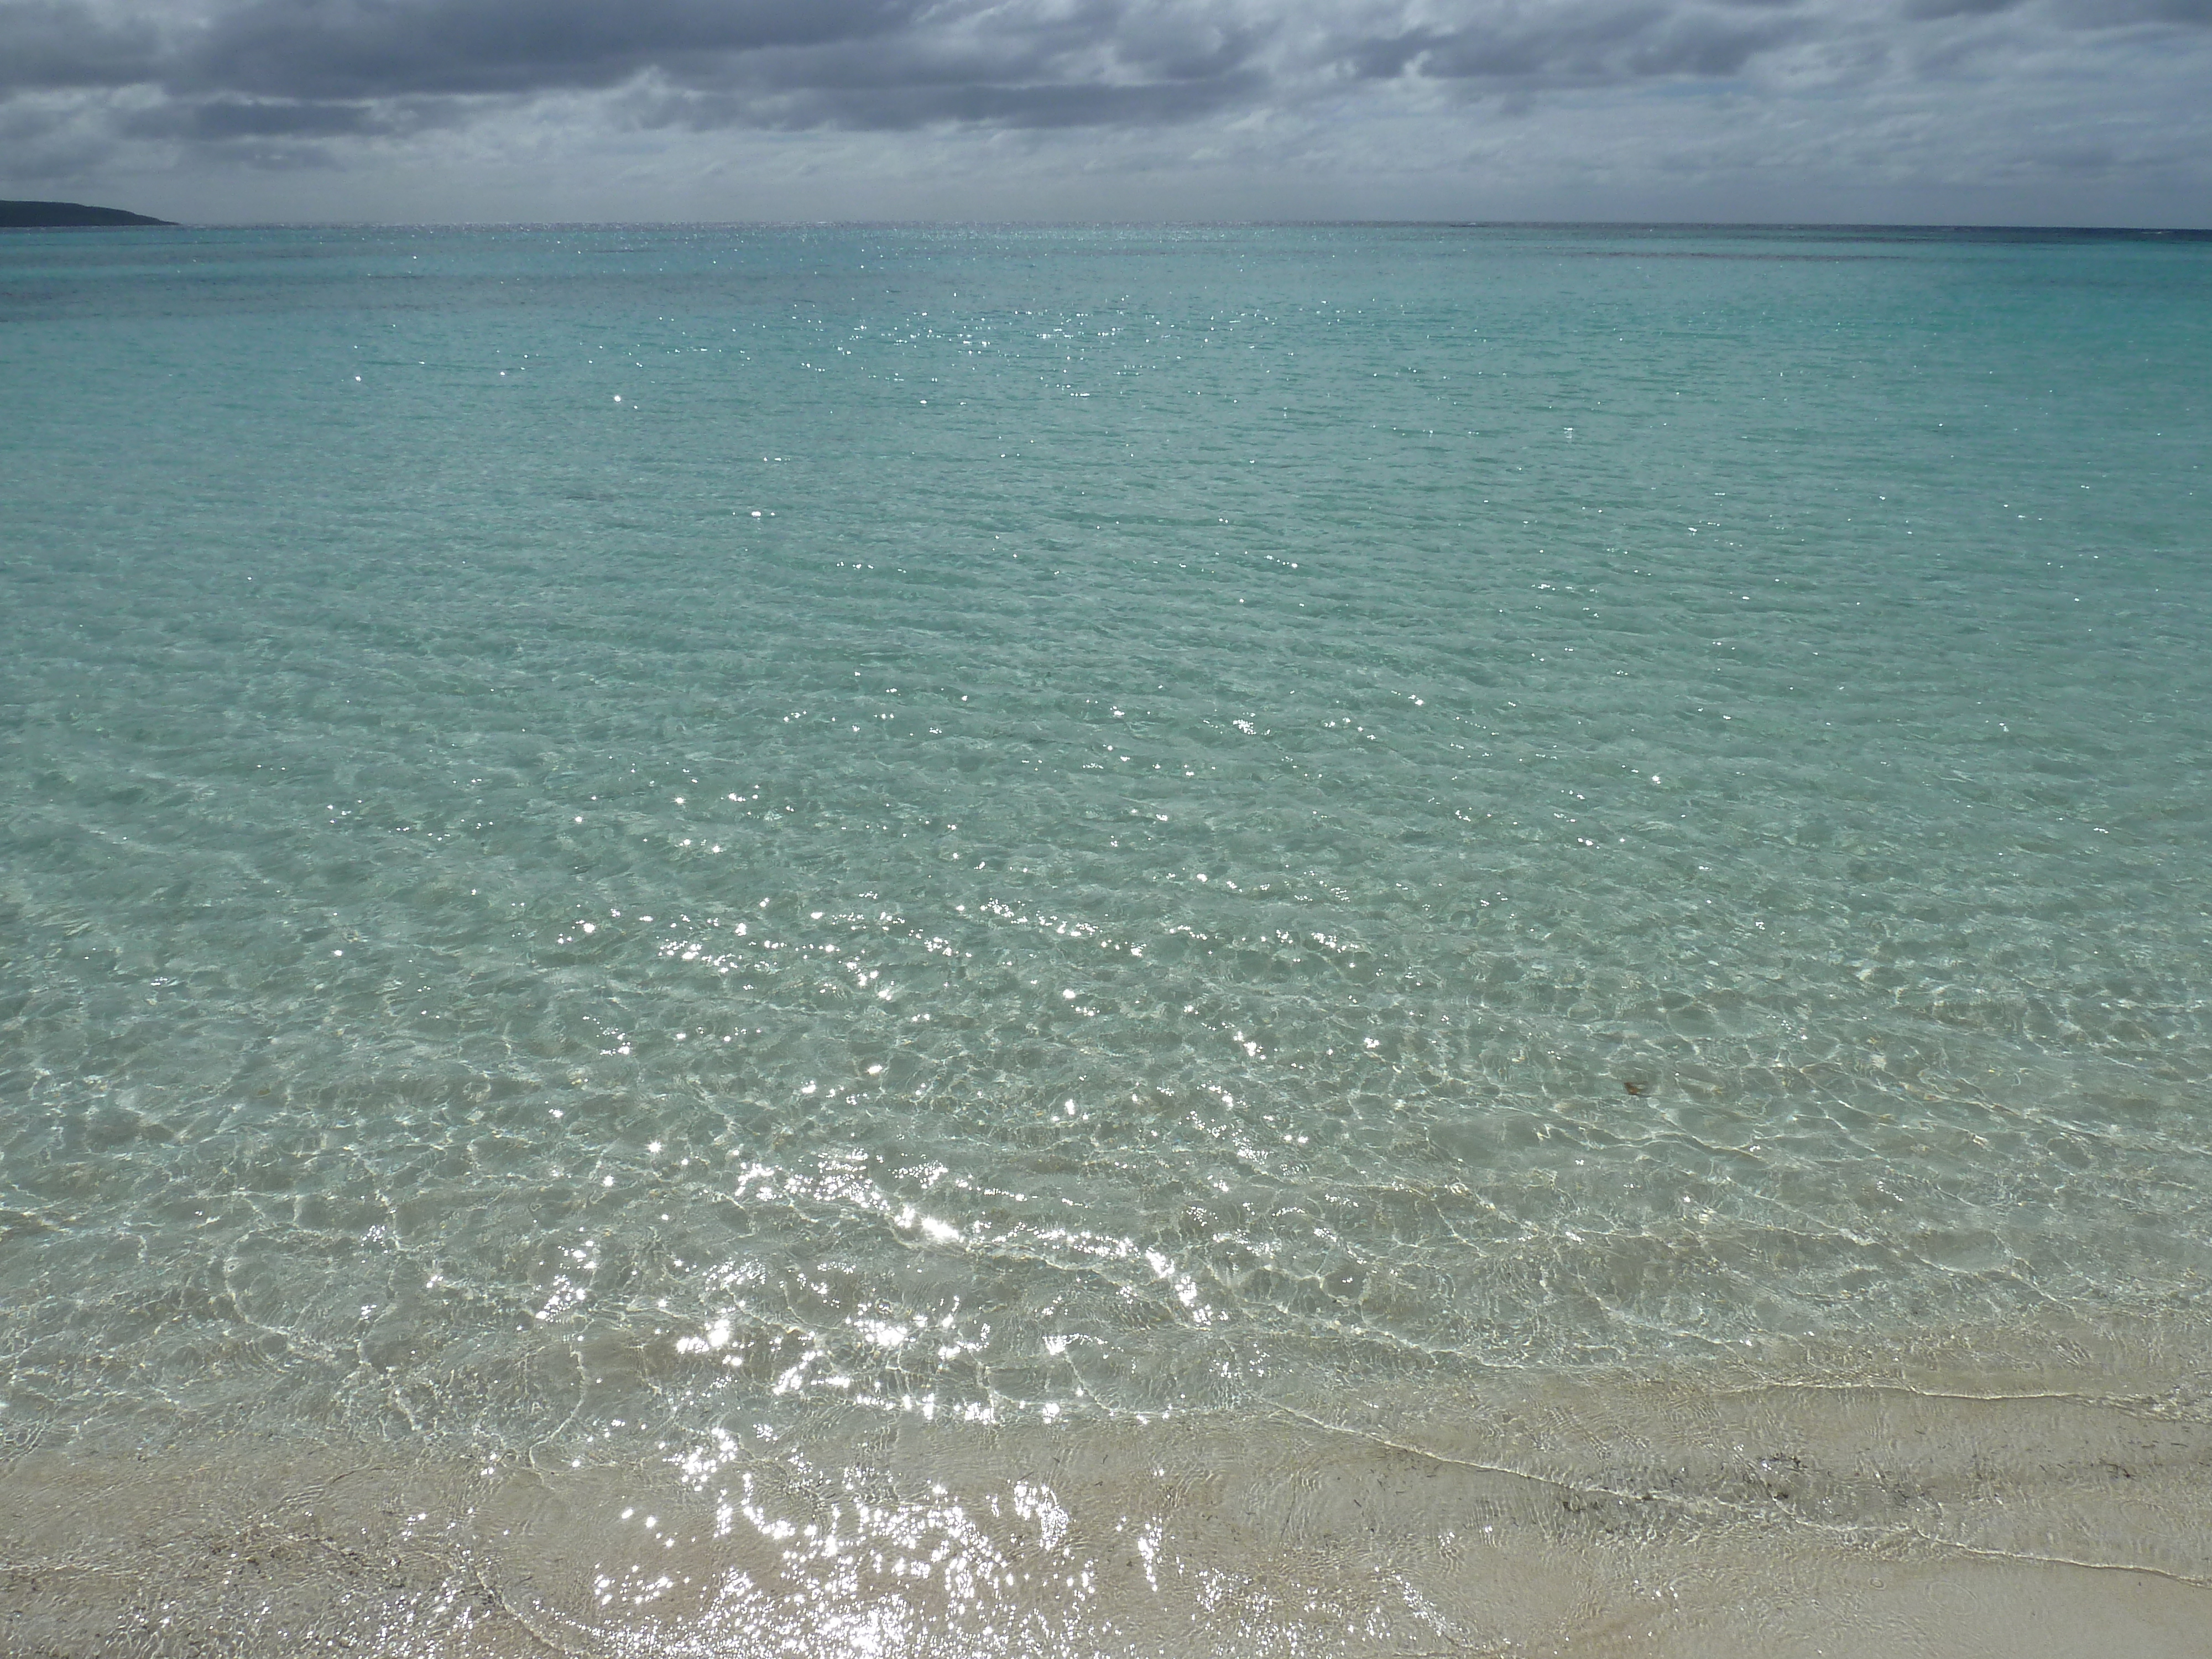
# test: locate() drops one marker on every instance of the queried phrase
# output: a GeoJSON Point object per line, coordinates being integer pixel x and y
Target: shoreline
{"type": "Point", "coordinates": [2024, 1508]}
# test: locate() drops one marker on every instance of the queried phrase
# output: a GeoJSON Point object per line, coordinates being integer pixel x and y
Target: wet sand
{"type": "Point", "coordinates": [2033, 1509]}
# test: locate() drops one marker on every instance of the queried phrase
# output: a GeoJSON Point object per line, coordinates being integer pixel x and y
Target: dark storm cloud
{"type": "Point", "coordinates": [347, 49]}
{"type": "Point", "coordinates": [251, 71]}
{"type": "Point", "coordinates": [311, 64]}
{"type": "Point", "coordinates": [65, 46]}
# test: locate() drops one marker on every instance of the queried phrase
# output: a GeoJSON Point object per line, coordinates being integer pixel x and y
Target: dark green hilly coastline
{"type": "Point", "coordinates": [48, 216]}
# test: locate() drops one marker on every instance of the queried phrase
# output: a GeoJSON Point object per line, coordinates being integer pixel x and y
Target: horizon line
{"type": "Point", "coordinates": [981, 222]}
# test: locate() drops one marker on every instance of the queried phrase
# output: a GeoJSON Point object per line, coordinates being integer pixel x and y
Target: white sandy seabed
{"type": "Point", "coordinates": [1950, 1501]}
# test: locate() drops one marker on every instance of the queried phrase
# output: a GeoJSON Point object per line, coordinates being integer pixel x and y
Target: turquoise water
{"type": "Point", "coordinates": [612, 837]}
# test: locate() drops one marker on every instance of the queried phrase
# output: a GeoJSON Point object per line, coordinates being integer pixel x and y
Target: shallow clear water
{"type": "Point", "coordinates": [607, 836]}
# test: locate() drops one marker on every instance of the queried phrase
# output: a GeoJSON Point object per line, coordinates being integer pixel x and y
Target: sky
{"type": "Point", "coordinates": [1983, 112]}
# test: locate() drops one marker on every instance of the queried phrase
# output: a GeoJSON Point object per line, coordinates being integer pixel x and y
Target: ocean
{"type": "Point", "coordinates": [995, 940]}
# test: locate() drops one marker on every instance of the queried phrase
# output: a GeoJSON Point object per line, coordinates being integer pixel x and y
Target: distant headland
{"type": "Point", "coordinates": [44, 216]}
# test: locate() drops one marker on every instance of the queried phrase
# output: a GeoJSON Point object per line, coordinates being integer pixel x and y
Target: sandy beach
{"type": "Point", "coordinates": [1952, 1508]}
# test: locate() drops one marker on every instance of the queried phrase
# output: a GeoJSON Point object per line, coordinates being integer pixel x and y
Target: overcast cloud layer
{"type": "Point", "coordinates": [2037, 110]}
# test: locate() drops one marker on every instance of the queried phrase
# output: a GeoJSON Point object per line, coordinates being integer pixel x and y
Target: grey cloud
{"type": "Point", "coordinates": [1532, 47]}
{"type": "Point", "coordinates": [61, 45]}
{"type": "Point", "coordinates": [1073, 70]}
{"type": "Point", "coordinates": [1931, 9]}
{"type": "Point", "coordinates": [2077, 14]}
{"type": "Point", "coordinates": [2112, 13]}
{"type": "Point", "coordinates": [352, 49]}
{"type": "Point", "coordinates": [2080, 14]}
{"type": "Point", "coordinates": [904, 106]}
{"type": "Point", "coordinates": [219, 120]}
{"type": "Point", "coordinates": [315, 66]}
{"type": "Point", "coordinates": [251, 72]}
{"type": "Point", "coordinates": [41, 141]}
